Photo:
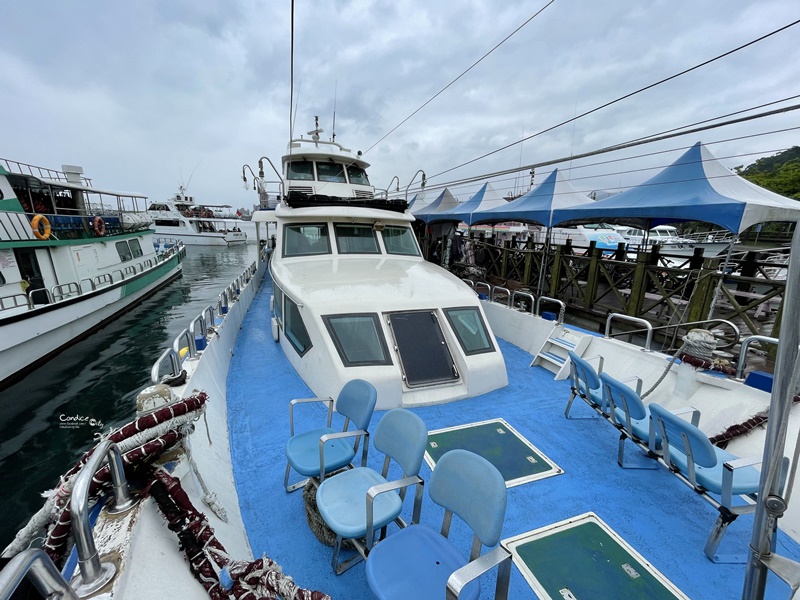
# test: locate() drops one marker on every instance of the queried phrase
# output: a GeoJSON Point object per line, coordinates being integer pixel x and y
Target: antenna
{"type": "Point", "coordinates": [333, 128]}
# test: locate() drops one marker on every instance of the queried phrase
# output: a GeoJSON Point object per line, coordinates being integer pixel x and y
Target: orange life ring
{"type": "Point", "coordinates": [41, 227]}
{"type": "Point", "coordinates": [99, 226]}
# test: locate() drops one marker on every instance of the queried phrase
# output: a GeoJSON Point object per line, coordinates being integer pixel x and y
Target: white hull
{"type": "Point", "coordinates": [212, 238]}
{"type": "Point", "coordinates": [29, 338]}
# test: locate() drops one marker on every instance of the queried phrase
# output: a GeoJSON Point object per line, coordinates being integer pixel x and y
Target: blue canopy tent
{"type": "Point", "coordinates": [696, 187]}
{"type": "Point", "coordinates": [485, 198]}
{"type": "Point", "coordinates": [443, 202]}
{"type": "Point", "coordinates": [537, 205]}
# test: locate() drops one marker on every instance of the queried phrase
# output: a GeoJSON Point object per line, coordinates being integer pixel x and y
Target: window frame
{"type": "Point", "coordinates": [288, 226]}
{"type": "Point", "coordinates": [122, 257]}
{"type": "Point", "coordinates": [288, 329]}
{"type": "Point", "coordinates": [363, 225]}
{"type": "Point", "coordinates": [376, 320]}
{"type": "Point", "coordinates": [449, 318]}
{"type": "Point", "coordinates": [417, 251]}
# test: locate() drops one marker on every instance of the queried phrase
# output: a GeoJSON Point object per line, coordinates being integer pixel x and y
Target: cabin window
{"type": "Point", "coordinates": [400, 240]}
{"type": "Point", "coordinates": [357, 175]}
{"type": "Point", "coordinates": [358, 339]}
{"type": "Point", "coordinates": [306, 239]}
{"type": "Point", "coordinates": [303, 170]}
{"type": "Point", "coordinates": [330, 171]}
{"type": "Point", "coordinates": [277, 305]}
{"type": "Point", "coordinates": [355, 239]}
{"type": "Point", "coordinates": [470, 330]}
{"type": "Point", "coordinates": [295, 330]}
{"type": "Point", "coordinates": [136, 248]}
{"type": "Point", "coordinates": [124, 251]}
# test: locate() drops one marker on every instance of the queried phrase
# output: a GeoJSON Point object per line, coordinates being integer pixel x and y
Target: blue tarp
{"type": "Point", "coordinates": [536, 206]}
{"type": "Point", "coordinates": [696, 187]}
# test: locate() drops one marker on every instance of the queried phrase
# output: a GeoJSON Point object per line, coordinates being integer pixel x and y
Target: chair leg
{"type": "Point", "coordinates": [725, 518]}
{"type": "Point", "coordinates": [294, 486]}
{"type": "Point", "coordinates": [341, 567]}
{"type": "Point", "coordinates": [569, 404]}
{"type": "Point", "coordinates": [631, 465]}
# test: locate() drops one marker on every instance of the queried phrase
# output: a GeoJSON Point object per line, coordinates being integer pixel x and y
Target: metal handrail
{"type": "Point", "coordinates": [175, 365]}
{"type": "Point", "coordinates": [469, 282]}
{"type": "Point", "coordinates": [678, 325]}
{"type": "Point", "coordinates": [483, 284]}
{"type": "Point", "coordinates": [64, 290]}
{"type": "Point", "coordinates": [222, 302]}
{"type": "Point", "coordinates": [524, 295]}
{"type": "Point", "coordinates": [95, 574]}
{"type": "Point", "coordinates": [176, 343]}
{"type": "Point", "coordinates": [39, 291]}
{"type": "Point", "coordinates": [497, 288]}
{"type": "Point", "coordinates": [199, 319]}
{"type": "Point", "coordinates": [621, 317]}
{"type": "Point", "coordinates": [562, 307]}
{"type": "Point", "coordinates": [92, 284]}
{"type": "Point", "coordinates": [19, 300]}
{"type": "Point", "coordinates": [209, 316]}
{"type": "Point", "coordinates": [43, 574]}
{"type": "Point", "coordinates": [743, 352]}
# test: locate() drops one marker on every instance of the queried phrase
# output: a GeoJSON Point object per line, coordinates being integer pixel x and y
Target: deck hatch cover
{"type": "Point", "coordinates": [582, 557]}
{"type": "Point", "coordinates": [424, 356]}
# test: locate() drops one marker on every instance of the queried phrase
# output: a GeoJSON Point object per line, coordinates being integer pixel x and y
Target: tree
{"type": "Point", "coordinates": [779, 173]}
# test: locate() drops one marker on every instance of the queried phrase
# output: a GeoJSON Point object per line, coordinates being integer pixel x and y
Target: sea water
{"type": "Point", "coordinates": [52, 416]}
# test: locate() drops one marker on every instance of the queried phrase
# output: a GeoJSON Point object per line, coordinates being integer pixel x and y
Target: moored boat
{"type": "Point", "coordinates": [179, 218]}
{"type": "Point", "coordinates": [69, 262]}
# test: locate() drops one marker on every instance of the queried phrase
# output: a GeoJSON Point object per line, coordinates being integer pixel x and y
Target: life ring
{"type": "Point", "coordinates": [41, 227]}
{"type": "Point", "coordinates": [99, 226]}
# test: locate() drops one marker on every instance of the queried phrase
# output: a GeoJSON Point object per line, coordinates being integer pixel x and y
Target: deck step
{"type": "Point", "coordinates": [563, 342]}
{"type": "Point", "coordinates": [553, 358]}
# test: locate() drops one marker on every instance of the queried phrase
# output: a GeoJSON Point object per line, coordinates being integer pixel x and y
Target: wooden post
{"type": "Point", "coordinates": [772, 349]}
{"type": "Point", "coordinates": [639, 285]}
{"type": "Point", "coordinates": [749, 268]}
{"type": "Point", "coordinates": [593, 275]}
{"type": "Point", "coordinates": [700, 302]}
{"type": "Point", "coordinates": [526, 270]}
{"type": "Point", "coordinates": [555, 276]}
{"type": "Point", "coordinates": [504, 261]}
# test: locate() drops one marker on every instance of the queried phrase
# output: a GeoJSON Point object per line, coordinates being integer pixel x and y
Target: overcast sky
{"type": "Point", "coordinates": [145, 94]}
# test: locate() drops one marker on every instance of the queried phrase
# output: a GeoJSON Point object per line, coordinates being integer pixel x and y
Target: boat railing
{"type": "Point", "coordinates": [521, 305]}
{"type": "Point", "coordinates": [48, 297]}
{"type": "Point", "coordinates": [199, 337]}
{"type": "Point", "coordinates": [562, 307]}
{"type": "Point", "coordinates": [13, 166]}
{"type": "Point", "coordinates": [91, 282]}
{"type": "Point", "coordinates": [480, 285]}
{"type": "Point", "coordinates": [15, 301]}
{"type": "Point", "coordinates": [222, 302]}
{"type": "Point", "coordinates": [469, 282]}
{"type": "Point", "coordinates": [190, 345]}
{"type": "Point", "coordinates": [36, 566]}
{"type": "Point", "coordinates": [174, 364]}
{"type": "Point", "coordinates": [502, 290]}
{"type": "Point", "coordinates": [746, 342]}
{"type": "Point", "coordinates": [676, 326]}
{"type": "Point", "coordinates": [620, 317]}
{"type": "Point", "coordinates": [65, 290]}
{"type": "Point", "coordinates": [95, 574]}
{"type": "Point", "coordinates": [717, 236]}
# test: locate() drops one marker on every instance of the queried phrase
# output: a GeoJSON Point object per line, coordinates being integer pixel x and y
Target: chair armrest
{"type": "Point", "coordinates": [498, 556]}
{"type": "Point", "coordinates": [303, 400]}
{"type": "Point", "coordinates": [599, 359]}
{"type": "Point", "coordinates": [727, 476]}
{"type": "Point", "coordinates": [685, 410]}
{"type": "Point", "coordinates": [342, 434]}
{"type": "Point", "coordinates": [638, 383]}
{"type": "Point", "coordinates": [382, 488]}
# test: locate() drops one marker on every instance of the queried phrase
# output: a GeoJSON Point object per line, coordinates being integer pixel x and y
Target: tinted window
{"type": "Point", "coordinates": [470, 330]}
{"type": "Point", "coordinates": [355, 239]}
{"type": "Point", "coordinates": [424, 356]}
{"type": "Point", "coordinates": [400, 240]}
{"type": "Point", "coordinates": [306, 239]}
{"type": "Point", "coordinates": [328, 171]}
{"type": "Point", "coordinates": [278, 304]}
{"type": "Point", "coordinates": [300, 170]}
{"type": "Point", "coordinates": [295, 330]}
{"type": "Point", "coordinates": [358, 339]}
{"type": "Point", "coordinates": [124, 251]}
{"type": "Point", "coordinates": [136, 248]}
{"type": "Point", "coordinates": [357, 175]}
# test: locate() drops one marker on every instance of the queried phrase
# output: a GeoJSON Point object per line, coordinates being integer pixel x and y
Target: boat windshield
{"type": "Point", "coordinates": [358, 339]}
{"type": "Point", "coordinates": [333, 172]}
{"type": "Point", "coordinates": [470, 330]}
{"type": "Point", "coordinates": [355, 239]}
{"type": "Point", "coordinates": [306, 239]}
{"type": "Point", "coordinates": [399, 240]}
{"type": "Point", "coordinates": [303, 169]}
{"type": "Point", "coordinates": [357, 175]}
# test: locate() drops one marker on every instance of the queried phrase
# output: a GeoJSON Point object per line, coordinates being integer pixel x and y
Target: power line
{"type": "Point", "coordinates": [504, 40]}
{"type": "Point", "coordinates": [607, 104]}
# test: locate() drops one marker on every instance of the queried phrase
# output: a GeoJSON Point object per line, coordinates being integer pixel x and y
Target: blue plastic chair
{"type": "Point", "coordinates": [709, 470]}
{"type": "Point", "coordinates": [584, 382]}
{"type": "Point", "coordinates": [632, 417]}
{"type": "Point", "coordinates": [421, 564]}
{"type": "Point", "coordinates": [357, 502]}
{"type": "Point", "coordinates": [318, 452]}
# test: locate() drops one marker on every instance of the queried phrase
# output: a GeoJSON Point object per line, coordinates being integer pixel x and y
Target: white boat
{"type": "Point", "coordinates": [672, 243]}
{"type": "Point", "coordinates": [179, 218]}
{"type": "Point", "coordinates": [349, 299]}
{"type": "Point", "coordinates": [604, 236]}
{"type": "Point", "coordinates": [68, 262]}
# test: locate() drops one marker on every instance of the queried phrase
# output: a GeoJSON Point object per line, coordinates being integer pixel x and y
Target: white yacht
{"type": "Point", "coordinates": [673, 243]}
{"type": "Point", "coordinates": [69, 262]}
{"type": "Point", "coordinates": [179, 218]}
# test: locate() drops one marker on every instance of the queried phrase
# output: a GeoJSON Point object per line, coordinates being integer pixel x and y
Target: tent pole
{"type": "Point", "coordinates": [719, 283]}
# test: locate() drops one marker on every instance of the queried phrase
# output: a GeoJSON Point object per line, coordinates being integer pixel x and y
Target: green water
{"type": "Point", "coordinates": [46, 419]}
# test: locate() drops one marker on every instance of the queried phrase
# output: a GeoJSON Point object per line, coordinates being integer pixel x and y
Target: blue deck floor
{"type": "Point", "coordinates": [656, 514]}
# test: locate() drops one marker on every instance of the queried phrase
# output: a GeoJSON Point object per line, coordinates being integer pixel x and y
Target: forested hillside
{"type": "Point", "coordinates": [779, 173]}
